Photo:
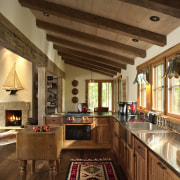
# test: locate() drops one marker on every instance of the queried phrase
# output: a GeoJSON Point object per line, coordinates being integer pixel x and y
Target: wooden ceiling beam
{"type": "Point", "coordinates": [79, 59]}
{"type": "Point", "coordinates": [90, 50]}
{"type": "Point", "coordinates": [95, 21]}
{"type": "Point", "coordinates": [91, 38]}
{"type": "Point", "coordinates": [89, 56]}
{"type": "Point", "coordinates": [94, 66]}
{"type": "Point", "coordinates": [171, 7]}
{"type": "Point", "coordinates": [87, 68]}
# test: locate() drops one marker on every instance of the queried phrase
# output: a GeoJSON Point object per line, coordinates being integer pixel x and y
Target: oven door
{"type": "Point", "coordinates": [77, 132]}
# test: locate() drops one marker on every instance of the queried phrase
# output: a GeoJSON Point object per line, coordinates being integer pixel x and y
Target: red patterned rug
{"type": "Point", "coordinates": [91, 170]}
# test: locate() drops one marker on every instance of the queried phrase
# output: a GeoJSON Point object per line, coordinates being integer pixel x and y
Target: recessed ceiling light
{"type": "Point", "coordinates": [135, 40]}
{"type": "Point", "coordinates": [154, 18]}
{"type": "Point", "coordinates": [45, 14]}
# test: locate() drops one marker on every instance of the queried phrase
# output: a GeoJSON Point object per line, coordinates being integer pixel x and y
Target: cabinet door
{"type": "Point", "coordinates": [139, 165]}
{"type": "Point", "coordinates": [103, 134]}
{"type": "Point", "coordinates": [158, 170]}
{"type": "Point", "coordinates": [122, 153]}
{"type": "Point", "coordinates": [130, 163]}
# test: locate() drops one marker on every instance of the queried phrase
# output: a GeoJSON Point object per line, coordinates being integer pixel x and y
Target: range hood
{"type": "Point", "coordinates": [12, 82]}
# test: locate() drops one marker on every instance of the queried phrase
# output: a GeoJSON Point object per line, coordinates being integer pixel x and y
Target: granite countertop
{"type": "Point", "coordinates": [164, 144]}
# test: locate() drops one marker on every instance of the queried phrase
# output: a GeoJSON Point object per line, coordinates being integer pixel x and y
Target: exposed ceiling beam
{"type": "Point", "coordinates": [91, 38]}
{"type": "Point", "coordinates": [79, 59]}
{"type": "Point", "coordinates": [90, 62]}
{"type": "Point", "coordinates": [95, 21]}
{"type": "Point", "coordinates": [95, 67]}
{"type": "Point", "coordinates": [86, 67]}
{"type": "Point", "coordinates": [89, 56]}
{"type": "Point", "coordinates": [90, 50]}
{"type": "Point", "coordinates": [169, 7]}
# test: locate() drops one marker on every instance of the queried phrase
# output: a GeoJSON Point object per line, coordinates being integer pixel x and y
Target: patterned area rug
{"type": "Point", "coordinates": [91, 170]}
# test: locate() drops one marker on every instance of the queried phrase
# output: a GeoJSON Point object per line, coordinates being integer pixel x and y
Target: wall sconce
{"type": "Point", "coordinates": [173, 69]}
{"type": "Point", "coordinates": [140, 79]}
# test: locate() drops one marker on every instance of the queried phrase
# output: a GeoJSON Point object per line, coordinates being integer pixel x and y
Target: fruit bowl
{"type": "Point", "coordinates": [45, 128]}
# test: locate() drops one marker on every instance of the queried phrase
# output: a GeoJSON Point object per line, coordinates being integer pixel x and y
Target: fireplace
{"type": "Point", "coordinates": [20, 110]}
{"type": "Point", "coordinates": [13, 117]}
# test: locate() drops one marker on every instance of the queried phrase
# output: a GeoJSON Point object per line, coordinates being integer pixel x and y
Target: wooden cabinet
{"type": "Point", "coordinates": [140, 161]}
{"type": "Point", "coordinates": [116, 139]}
{"type": "Point", "coordinates": [53, 121]}
{"type": "Point", "coordinates": [158, 170]}
{"type": "Point", "coordinates": [130, 162]}
{"type": "Point", "coordinates": [122, 153]}
{"type": "Point", "coordinates": [103, 131]}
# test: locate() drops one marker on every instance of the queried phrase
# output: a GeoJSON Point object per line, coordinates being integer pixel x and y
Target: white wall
{"type": "Point", "coordinates": [25, 21]}
{"type": "Point", "coordinates": [172, 39]}
{"type": "Point", "coordinates": [75, 73]}
{"type": "Point", "coordinates": [24, 71]}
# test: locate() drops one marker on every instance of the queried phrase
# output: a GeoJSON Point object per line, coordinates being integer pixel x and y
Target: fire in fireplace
{"type": "Point", "coordinates": [13, 117]}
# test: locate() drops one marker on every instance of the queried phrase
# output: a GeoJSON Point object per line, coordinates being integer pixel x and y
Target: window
{"type": "Point", "coordinates": [158, 87]}
{"type": "Point", "coordinates": [99, 94]}
{"type": "Point", "coordinates": [174, 95]}
{"type": "Point", "coordinates": [142, 93]}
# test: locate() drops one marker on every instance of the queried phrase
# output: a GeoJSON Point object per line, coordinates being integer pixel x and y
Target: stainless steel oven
{"type": "Point", "coordinates": [77, 132]}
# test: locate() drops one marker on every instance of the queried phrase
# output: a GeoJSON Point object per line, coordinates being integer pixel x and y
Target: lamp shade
{"type": "Point", "coordinates": [139, 79]}
{"type": "Point", "coordinates": [173, 69]}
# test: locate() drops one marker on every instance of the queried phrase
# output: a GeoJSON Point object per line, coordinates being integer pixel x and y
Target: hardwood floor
{"type": "Point", "coordinates": [9, 166]}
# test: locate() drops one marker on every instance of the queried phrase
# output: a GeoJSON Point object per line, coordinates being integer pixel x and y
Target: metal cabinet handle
{"type": "Point", "coordinates": [160, 165]}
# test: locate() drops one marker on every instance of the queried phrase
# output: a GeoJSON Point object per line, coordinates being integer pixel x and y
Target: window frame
{"type": "Point", "coordinates": [167, 92]}
{"type": "Point", "coordinates": [100, 91]}
{"type": "Point", "coordinates": [162, 61]}
{"type": "Point", "coordinates": [164, 56]}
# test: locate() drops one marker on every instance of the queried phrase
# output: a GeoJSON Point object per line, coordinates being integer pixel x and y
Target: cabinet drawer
{"type": "Point", "coordinates": [53, 120]}
{"type": "Point", "coordinates": [102, 120]}
{"type": "Point", "coordinates": [140, 148]}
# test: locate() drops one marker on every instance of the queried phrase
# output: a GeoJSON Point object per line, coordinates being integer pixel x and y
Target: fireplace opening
{"type": "Point", "coordinates": [13, 117]}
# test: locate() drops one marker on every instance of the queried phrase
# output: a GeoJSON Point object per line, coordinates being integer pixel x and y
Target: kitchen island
{"type": "Point", "coordinates": [34, 146]}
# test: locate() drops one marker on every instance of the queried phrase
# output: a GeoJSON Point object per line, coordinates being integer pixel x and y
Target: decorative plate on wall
{"type": "Point", "coordinates": [74, 99]}
{"type": "Point", "coordinates": [74, 91]}
{"type": "Point", "coordinates": [74, 83]}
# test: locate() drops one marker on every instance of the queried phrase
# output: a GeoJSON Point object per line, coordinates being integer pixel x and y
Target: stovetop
{"type": "Point", "coordinates": [75, 113]}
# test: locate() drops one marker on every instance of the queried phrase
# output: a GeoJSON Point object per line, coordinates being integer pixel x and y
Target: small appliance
{"type": "Point", "coordinates": [127, 108]}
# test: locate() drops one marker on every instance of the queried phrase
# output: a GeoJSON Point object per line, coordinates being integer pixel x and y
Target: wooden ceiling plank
{"type": "Point", "coordinates": [95, 21]}
{"type": "Point", "coordinates": [91, 50]}
{"type": "Point", "coordinates": [171, 7]}
{"type": "Point", "coordinates": [91, 38]}
{"type": "Point", "coordinates": [79, 59]}
{"type": "Point", "coordinates": [93, 66]}
{"type": "Point", "coordinates": [89, 56]}
{"type": "Point", "coordinates": [87, 68]}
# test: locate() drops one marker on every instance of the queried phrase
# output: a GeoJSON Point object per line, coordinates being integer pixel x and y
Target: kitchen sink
{"type": "Point", "coordinates": [145, 126]}
{"type": "Point", "coordinates": [142, 127]}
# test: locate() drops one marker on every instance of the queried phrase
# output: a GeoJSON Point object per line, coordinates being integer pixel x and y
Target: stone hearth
{"type": "Point", "coordinates": [18, 105]}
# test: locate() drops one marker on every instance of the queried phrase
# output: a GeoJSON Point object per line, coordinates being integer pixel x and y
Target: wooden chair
{"type": "Point", "coordinates": [101, 109]}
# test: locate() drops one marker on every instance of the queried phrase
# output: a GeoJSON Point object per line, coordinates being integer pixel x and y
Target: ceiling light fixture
{"type": "Point", "coordinates": [173, 69]}
{"type": "Point", "coordinates": [135, 40]}
{"type": "Point", "coordinates": [45, 14]}
{"type": "Point", "coordinates": [154, 18]}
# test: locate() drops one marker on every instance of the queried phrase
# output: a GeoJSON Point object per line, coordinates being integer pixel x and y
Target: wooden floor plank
{"type": "Point", "coordinates": [9, 166]}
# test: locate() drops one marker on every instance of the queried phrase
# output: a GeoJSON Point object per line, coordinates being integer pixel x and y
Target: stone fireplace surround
{"type": "Point", "coordinates": [18, 105]}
